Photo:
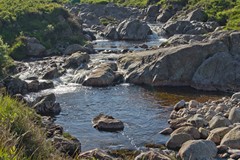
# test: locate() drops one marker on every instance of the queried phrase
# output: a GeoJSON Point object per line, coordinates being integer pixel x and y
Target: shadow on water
{"type": "Point", "coordinates": [168, 96]}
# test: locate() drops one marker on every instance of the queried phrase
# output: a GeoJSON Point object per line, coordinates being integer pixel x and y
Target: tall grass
{"type": "Point", "coordinates": [21, 136]}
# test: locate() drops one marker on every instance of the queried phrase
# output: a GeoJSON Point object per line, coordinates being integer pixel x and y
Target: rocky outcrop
{"type": "Point", "coordinates": [209, 65]}
{"type": "Point", "coordinates": [107, 123]}
{"type": "Point", "coordinates": [198, 149]}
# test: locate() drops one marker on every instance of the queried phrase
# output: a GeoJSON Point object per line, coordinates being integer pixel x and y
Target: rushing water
{"type": "Point", "coordinates": [152, 41]}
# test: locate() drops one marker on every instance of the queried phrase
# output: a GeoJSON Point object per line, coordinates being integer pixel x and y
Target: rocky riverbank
{"type": "Point", "coordinates": [198, 54]}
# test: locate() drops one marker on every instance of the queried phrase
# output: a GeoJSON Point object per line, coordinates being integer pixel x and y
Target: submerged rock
{"type": "Point", "coordinates": [107, 123]}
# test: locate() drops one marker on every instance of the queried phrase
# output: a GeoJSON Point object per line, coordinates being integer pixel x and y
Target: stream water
{"type": "Point", "coordinates": [144, 111]}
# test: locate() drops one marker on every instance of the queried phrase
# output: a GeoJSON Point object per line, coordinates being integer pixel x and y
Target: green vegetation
{"type": "Point", "coordinates": [226, 12]}
{"type": "Point", "coordinates": [20, 134]}
{"type": "Point", "coordinates": [46, 20]}
{"type": "Point", "coordinates": [108, 20]}
{"type": "Point", "coordinates": [138, 3]}
{"type": "Point", "coordinates": [5, 60]}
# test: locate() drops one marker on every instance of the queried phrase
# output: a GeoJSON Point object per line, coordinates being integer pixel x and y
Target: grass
{"type": "Point", "coordinates": [46, 20]}
{"type": "Point", "coordinates": [136, 3]}
{"type": "Point", "coordinates": [20, 134]}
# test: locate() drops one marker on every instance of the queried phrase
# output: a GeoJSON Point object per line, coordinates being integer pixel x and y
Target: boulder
{"type": "Point", "coordinates": [74, 48]}
{"type": "Point", "coordinates": [96, 154]}
{"type": "Point", "coordinates": [133, 30]}
{"type": "Point", "coordinates": [176, 141]}
{"type": "Point", "coordinates": [197, 15]}
{"type": "Point", "coordinates": [178, 122]}
{"type": "Point", "coordinates": [203, 133]}
{"type": "Point", "coordinates": [46, 105]}
{"type": "Point", "coordinates": [232, 138]}
{"type": "Point", "coordinates": [101, 76]}
{"type": "Point", "coordinates": [166, 131]}
{"type": "Point", "coordinates": [211, 65]}
{"type": "Point", "coordinates": [219, 121]}
{"type": "Point", "coordinates": [234, 115]}
{"type": "Point", "coordinates": [151, 155]}
{"type": "Point", "coordinates": [72, 146]}
{"type": "Point", "coordinates": [34, 48]}
{"type": "Point", "coordinates": [188, 130]}
{"type": "Point", "coordinates": [77, 59]}
{"type": "Point", "coordinates": [198, 120]}
{"type": "Point", "coordinates": [217, 134]}
{"type": "Point", "coordinates": [198, 150]}
{"type": "Point", "coordinates": [193, 104]}
{"type": "Point", "coordinates": [111, 33]}
{"type": "Point", "coordinates": [107, 123]}
{"type": "Point", "coordinates": [53, 72]}
{"type": "Point", "coordinates": [179, 105]}
{"type": "Point", "coordinates": [36, 86]}
{"type": "Point", "coordinates": [15, 86]}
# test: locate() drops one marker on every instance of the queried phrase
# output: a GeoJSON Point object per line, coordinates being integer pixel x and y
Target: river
{"type": "Point", "coordinates": [144, 111]}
